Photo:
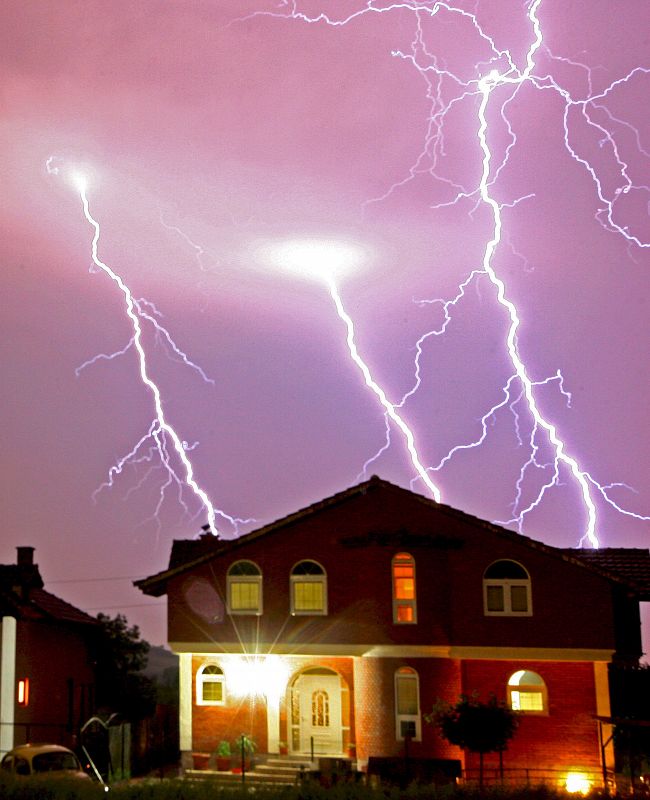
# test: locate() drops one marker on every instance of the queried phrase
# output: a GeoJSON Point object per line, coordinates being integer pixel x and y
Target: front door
{"type": "Point", "coordinates": [320, 713]}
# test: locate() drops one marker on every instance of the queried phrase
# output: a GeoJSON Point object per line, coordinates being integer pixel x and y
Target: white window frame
{"type": "Point", "coordinates": [202, 679]}
{"type": "Point", "coordinates": [527, 688]}
{"type": "Point", "coordinates": [407, 673]}
{"type": "Point", "coordinates": [506, 585]}
{"type": "Point", "coordinates": [296, 579]}
{"type": "Point", "coordinates": [404, 558]}
{"type": "Point", "coordinates": [233, 579]}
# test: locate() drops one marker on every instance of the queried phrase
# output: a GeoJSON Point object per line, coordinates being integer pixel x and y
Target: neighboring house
{"type": "Point", "coordinates": [46, 670]}
{"type": "Point", "coordinates": [343, 623]}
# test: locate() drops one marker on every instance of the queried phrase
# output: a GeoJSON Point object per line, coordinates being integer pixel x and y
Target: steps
{"type": "Point", "coordinates": [267, 771]}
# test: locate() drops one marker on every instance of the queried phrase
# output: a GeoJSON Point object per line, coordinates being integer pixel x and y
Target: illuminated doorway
{"type": "Point", "coordinates": [316, 712]}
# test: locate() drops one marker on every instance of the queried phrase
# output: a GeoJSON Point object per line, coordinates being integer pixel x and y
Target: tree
{"type": "Point", "coordinates": [120, 657]}
{"type": "Point", "coordinates": [475, 726]}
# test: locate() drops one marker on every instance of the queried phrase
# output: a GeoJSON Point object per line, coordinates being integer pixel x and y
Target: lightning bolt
{"type": "Point", "coordinates": [390, 409]}
{"type": "Point", "coordinates": [161, 430]}
{"type": "Point", "coordinates": [502, 73]}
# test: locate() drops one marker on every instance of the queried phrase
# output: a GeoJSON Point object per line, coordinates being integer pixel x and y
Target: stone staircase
{"type": "Point", "coordinates": [268, 770]}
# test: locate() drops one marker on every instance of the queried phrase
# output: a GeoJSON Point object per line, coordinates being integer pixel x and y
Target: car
{"type": "Point", "coordinates": [50, 760]}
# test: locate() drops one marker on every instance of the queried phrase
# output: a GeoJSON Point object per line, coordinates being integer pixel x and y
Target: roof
{"type": "Point", "coordinates": [21, 590]}
{"type": "Point", "coordinates": [630, 564]}
{"type": "Point", "coordinates": [188, 554]}
{"type": "Point", "coordinates": [56, 608]}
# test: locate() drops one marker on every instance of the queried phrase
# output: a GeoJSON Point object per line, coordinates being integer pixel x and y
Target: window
{"type": "Point", "coordinates": [210, 686]}
{"type": "Point", "coordinates": [527, 692]}
{"type": "Point", "coordinates": [308, 588]}
{"type": "Point", "coordinates": [244, 588]}
{"type": "Point", "coordinates": [404, 601]}
{"type": "Point", "coordinates": [506, 590]}
{"type": "Point", "coordinates": [407, 704]}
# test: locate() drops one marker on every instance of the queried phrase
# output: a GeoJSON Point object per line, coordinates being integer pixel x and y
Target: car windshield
{"type": "Point", "coordinates": [48, 762]}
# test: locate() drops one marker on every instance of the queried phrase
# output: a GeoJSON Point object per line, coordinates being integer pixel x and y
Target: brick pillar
{"type": "Point", "coordinates": [373, 709]}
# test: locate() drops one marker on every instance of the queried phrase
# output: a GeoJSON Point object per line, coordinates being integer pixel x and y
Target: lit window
{"type": "Point", "coordinates": [407, 704]}
{"type": "Point", "coordinates": [210, 686]}
{"type": "Point", "coordinates": [527, 692]}
{"type": "Point", "coordinates": [308, 588]}
{"type": "Point", "coordinates": [23, 692]}
{"type": "Point", "coordinates": [506, 590]}
{"type": "Point", "coordinates": [244, 588]}
{"type": "Point", "coordinates": [404, 599]}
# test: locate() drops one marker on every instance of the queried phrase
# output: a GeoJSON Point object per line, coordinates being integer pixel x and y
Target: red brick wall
{"type": "Point", "coordinates": [449, 584]}
{"type": "Point", "coordinates": [374, 703]}
{"type": "Point", "coordinates": [212, 724]}
{"type": "Point", "coordinates": [565, 738]}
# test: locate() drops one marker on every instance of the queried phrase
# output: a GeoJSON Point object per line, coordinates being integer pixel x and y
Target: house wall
{"type": "Point", "coordinates": [374, 702]}
{"type": "Point", "coordinates": [56, 660]}
{"type": "Point", "coordinates": [564, 738]}
{"type": "Point", "coordinates": [450, 564]}
{"type": "Point", "coordinates": [248, 714]}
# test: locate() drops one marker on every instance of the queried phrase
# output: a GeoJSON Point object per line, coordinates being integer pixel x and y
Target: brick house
{"type": "Point", "coordinates": [341, 625]}
{"type": "Point", "coordinates": [46, 665]}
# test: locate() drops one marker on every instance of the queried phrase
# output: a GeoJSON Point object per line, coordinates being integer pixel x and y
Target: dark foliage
{"type": "Point", "coordinates": [473, 725]}
{"type": "Point", "coordinates": [630, 694]}
{"type": "Point", "coordinates": [120, 657]}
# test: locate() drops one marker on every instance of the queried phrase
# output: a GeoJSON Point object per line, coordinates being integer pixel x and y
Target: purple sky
{"type": "Point", "coordinates": [196, 122]}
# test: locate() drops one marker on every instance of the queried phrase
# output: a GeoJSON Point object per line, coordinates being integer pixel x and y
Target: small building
{"type": "Point", "coordinates": [47, 675]}
{"type": "Point", "coordinates": [335, 630]}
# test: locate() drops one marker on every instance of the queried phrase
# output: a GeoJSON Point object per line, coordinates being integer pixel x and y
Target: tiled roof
{"type": "Point", "coordinates": [627, 563]}
{"type": "Point", "coordinates": [187, 554]}
{"type": "Point", "coordinates": [58, 609]}
{"type": "Point", "coordinates": [184, 550]}
{"type": "Point", "coordinates": [21, 591]}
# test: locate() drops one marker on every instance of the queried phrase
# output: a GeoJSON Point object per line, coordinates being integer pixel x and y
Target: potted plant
{"type": "Point", "coordinates": [200, 760]}
{"type": "Point", "coordinates": [223, 756]}
{"type": "Point", "coordinates": [244, 748]}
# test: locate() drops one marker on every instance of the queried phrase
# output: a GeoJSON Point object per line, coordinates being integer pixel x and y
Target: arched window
{"type": "Point", "coordinates": [244, 588]}
{"type": "Point", "coordinates": [527, 692]}
{"type": "Point", "coordinates": [308, 588]}
{"type": "Point", "coordinates": [407, 704]}
{"type": "Point", "coordinates": [506, 590]}
{"type": "Point", "coordinates": [210, 686]}
{"type": "Point", "coordinates": [404, 597]}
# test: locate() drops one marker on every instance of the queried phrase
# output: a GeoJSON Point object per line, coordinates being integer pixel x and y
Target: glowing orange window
{"type": "Point", "coordinates": [404, 600]}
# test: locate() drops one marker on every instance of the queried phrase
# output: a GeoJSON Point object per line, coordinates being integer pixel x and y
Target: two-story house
{"type": "Point", "coordinates": [342, 624]}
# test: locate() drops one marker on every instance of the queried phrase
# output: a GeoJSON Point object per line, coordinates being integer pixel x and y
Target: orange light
{"type": "Point", "coordinates": [577, 783]}
{"type": "Point", "coordinates": [23, 692]}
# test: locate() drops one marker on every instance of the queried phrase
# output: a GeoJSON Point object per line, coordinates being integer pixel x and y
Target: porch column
{"type": "Point", "coordinates": [185, 701]}
{"type": "Point", "coordinates": [7, 684]}
{"type": "Point", "coordinates": [603, 709]}
{"type": "Point", "coordinates": [273, 723]}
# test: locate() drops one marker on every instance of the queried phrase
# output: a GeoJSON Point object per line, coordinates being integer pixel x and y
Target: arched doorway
{"type": "Point", "coordinates": [317, 711]}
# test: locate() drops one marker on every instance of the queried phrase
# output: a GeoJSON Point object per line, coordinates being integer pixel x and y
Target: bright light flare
{"type": "Point", "coordinates": [264, 676]}
{"type": "Point", "coordinates": [314, 259]}
{"type": "Point", "coordinates": [577, 783]}
{"type": "Point", "coordinates": [79, 181]}
{"type": "Point", "coordinates": [326, 260]}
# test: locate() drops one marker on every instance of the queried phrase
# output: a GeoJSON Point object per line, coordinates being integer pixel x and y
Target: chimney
{"type": "Point", "coordinates": [25, 556]}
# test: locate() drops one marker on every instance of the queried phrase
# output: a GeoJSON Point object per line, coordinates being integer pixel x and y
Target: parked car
{"type": "Point", "coordinates": [51, 760]}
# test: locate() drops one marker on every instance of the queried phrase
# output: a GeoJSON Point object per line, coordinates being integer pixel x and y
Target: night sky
{"type": "Point", "coordinates": [213, 136]}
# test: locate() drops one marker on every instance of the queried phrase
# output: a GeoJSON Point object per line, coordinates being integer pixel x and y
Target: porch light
{"type": "Point", "coordinates": [577, 783]}
{"type": "Point", "coordinates": [265, 676]}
